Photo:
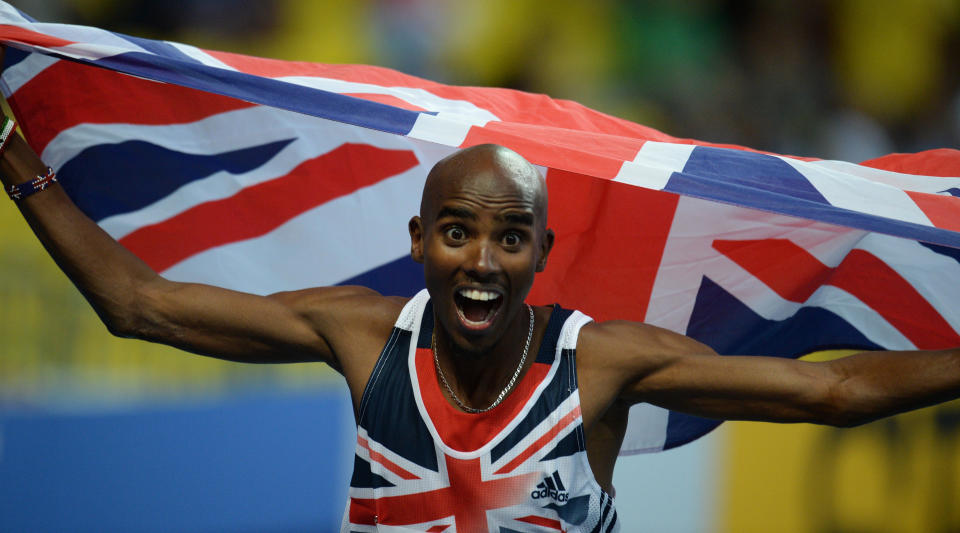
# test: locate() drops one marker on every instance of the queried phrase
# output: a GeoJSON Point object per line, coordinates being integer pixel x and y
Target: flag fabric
{"type": "Point", "coordinates": [264, 175]}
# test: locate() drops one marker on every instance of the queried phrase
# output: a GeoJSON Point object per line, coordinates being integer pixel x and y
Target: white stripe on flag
{"type": "Point", "coordinates": [18, 75]}
{"type": "Point", "coordinates": [200, 55]}
{"type": "Point", "coordinates": [864, 319]}
{"type": "Point", "coordinates": [9, 15]}
{"type": "Point", "coordinates": [362, 231]}
{"type": "Point", "coordinates": [422, 98]}
{"type": "Point", "coordinates": [910, 182]}
{"type": "Point", "coordinates": [654, 164]}
{"type": "Point", "coordinates": [860, 194]}
{"type": "Point", "coordinates": [933, 275]}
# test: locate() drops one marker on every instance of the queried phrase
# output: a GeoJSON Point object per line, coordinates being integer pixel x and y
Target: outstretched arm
{"type": "Point", "coordinates": [133, 301]}
{"type": "Point", "coordinates": [676, 372]}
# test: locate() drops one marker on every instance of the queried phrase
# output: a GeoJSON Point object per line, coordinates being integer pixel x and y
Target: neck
{"type": "Point", "coordinates": [478, 377]}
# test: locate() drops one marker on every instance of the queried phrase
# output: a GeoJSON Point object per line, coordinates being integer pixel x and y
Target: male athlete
{"type": "Point", "coordinates": [474, 409]}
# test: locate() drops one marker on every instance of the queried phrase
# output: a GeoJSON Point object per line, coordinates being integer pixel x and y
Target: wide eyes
{"type": "Point", "coordinates": [511, 239]}
{"type": "Point", "coordinates": [455, 233]}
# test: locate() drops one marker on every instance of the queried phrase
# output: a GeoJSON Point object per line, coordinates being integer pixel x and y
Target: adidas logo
{"type": "Point", "coordinates": [551, 487]}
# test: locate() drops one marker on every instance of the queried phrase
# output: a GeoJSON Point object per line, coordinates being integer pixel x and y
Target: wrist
{"type": "Point", "coordinates": [18, 162]}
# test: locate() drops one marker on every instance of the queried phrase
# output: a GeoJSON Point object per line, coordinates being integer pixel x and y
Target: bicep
{"type": "Point", "coordinates": [237, 326]}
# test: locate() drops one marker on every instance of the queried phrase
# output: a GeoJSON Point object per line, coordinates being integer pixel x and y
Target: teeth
{"type": "Point", "coordinates": [476, 294]}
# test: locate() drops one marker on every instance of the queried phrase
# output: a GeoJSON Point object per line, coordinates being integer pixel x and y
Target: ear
{"type": "Point", "coordinates": [546, 244]}
{"type": "Point", "coordinates": [415, 227]}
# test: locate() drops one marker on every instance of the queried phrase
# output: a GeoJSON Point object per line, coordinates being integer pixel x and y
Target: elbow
{"type": "Point", "coordinates": [839, 406]}
{"type": "Point", "coordinates": [827, 398]}
{"type": "Point", "coordinates": [130, 317]}
{"type": "Point", "coordinates": [122, 326]}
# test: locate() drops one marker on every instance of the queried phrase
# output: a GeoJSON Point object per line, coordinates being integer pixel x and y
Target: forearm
{"type": "Point", "coordinates": [107, 274]}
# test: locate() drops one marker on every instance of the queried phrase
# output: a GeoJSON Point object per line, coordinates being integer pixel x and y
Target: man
{"type": "Point", "coordinates": [473, 408]}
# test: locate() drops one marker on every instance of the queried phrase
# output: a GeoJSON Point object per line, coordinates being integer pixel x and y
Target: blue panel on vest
{"type": "Point", "coordinates": [390, 415]}
{"type": "Point", "coordinates": [565, 448]}
{"type": "Point", "coordinates": [554, 393]}
{"type": "Point", "coordinates": [572, 512]}
{"type": "Point", "coordinates": [363, 476]}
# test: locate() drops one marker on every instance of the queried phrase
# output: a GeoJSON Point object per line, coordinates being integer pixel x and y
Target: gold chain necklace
{"type": "Point", "coordinates": [503, 393]}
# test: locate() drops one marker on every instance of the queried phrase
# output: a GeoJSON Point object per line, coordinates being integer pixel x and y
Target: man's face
{"type": "Point", "coordinates": [481, 239]}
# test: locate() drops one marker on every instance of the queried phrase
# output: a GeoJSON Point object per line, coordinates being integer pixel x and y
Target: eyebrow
{"type": "Point", "coordinates": [518, 218]}
{"type": "Point", "coordinates": [524, 219]}
{"type": "Point", "coordinates": [456, 212]}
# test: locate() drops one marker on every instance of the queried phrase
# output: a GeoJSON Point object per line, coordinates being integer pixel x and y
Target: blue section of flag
{"type": "Point", "coordinates": [401, 277]}
{"type": "Point", "coordinates": [108, 179]}
{"type": "Point", "coordinates": [955, 191]}
{"type": "Point", "coordinates": [160, 48]}
{"type": "Point", "coordinates": [749, 170]}
{"type": "Point", "coordinates": [727, 325]}
{"type": "Point", "coordinates": [260, 90]}
{"type": "Point", "coordinates": [683, 428]}
{"type": "Point", "coordinates": [706, 177]}
{"type": "Point", "coordinates": [12, 56]}
{"type": "Point", "coordinates": [953, 253]}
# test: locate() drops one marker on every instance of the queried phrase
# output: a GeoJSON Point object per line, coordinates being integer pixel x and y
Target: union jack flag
{"type": "Point", "coordinates": [244, 172]}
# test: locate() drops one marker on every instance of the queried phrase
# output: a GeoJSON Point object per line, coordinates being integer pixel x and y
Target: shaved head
{"type": "Point", "coordinates": [495, 164]}
{"type": "Point", "coordinates": [482, 230]}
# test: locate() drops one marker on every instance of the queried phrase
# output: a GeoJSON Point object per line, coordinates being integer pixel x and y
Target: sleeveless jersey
{"type": "Point", "coordinates": [423, 465]}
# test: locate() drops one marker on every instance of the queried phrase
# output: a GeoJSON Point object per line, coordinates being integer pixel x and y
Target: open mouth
{"type": "Point", "coordinates": [477, 307]}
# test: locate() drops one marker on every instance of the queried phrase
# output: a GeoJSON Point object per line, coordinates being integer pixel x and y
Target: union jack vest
{"type": "Point", "coordinates": [423, 465]}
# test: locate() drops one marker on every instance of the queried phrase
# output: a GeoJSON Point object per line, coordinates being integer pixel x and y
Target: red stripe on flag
{"type": "Point", "coordinates": [53, 103]}
{"type": "Point", "coordinates": [943, 211]}
{"type": "Point", "coordinates": [782, 265]}
{"type": "Point", "coordinates": [943, 162]}
{"type": "Point", "coordinates": [883, 289]}
{"type": "Point", "coordinates": [609, 242]}
{"type": "Point", "coordinates": [591, 154]}
{"type": "Point", "coordinates": [387, 463]}
{"type": "Point", "coordinates": [541, 442]}
{"type": "Point", "coordinates": [387, 99]}
{"type": "Point", "coordinates": [242, 216]}
{"type": "Point", "coordinates": [794, 274]}
{"type": "Point", "coordinates": [277, 68]}
{"type": "Point", "coordinates": [15, 33]}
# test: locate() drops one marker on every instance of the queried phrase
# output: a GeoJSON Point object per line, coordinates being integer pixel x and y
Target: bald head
{"type": "Point", "coordinates": [490, 165]}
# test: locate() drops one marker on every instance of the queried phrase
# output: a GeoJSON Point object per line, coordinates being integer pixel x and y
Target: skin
{"type": "Point", "coordinates": [482, 225]}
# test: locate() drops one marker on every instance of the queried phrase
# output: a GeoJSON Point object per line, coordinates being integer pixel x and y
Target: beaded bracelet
{"type": "Point", "coordinates": [21, 191]}
{"type": "Point", "coordinates": [6, 132]}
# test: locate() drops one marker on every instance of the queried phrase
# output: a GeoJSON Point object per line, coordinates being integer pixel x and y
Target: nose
{"type": "Point", "coordinates": [483, 261]}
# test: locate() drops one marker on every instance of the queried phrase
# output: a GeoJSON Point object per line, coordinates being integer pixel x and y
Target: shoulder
{"type": "Point", "coordinates": [327, 303]}
{"type": "Point", "coordinates": [349, 318]}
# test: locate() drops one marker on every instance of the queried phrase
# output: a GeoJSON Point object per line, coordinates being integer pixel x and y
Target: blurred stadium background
{"type": "Point", "coordinates": [104, 434]}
